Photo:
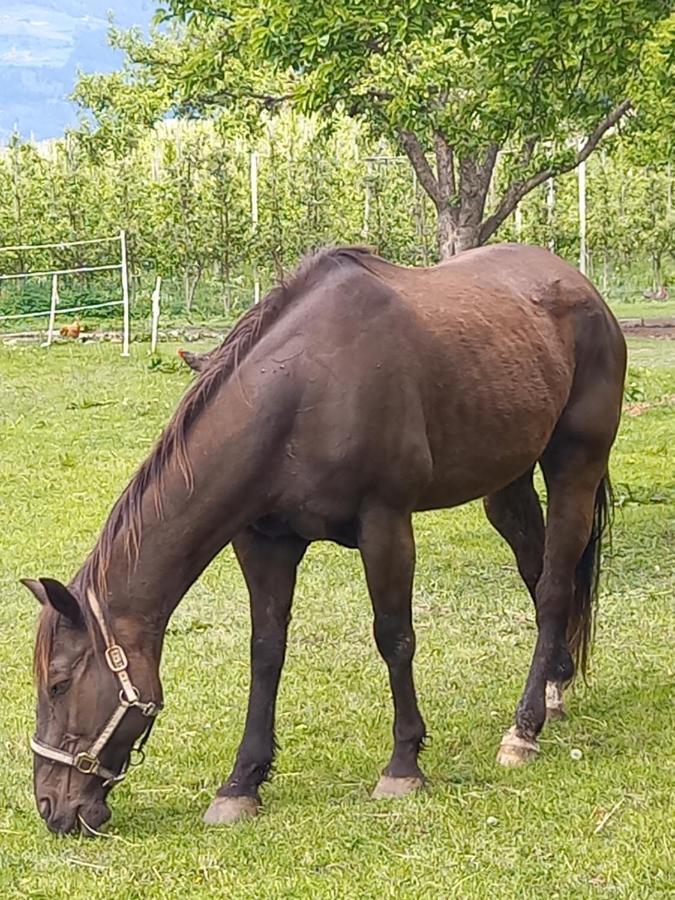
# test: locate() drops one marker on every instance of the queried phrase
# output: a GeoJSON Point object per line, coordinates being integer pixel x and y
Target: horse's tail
{"type": "Point", "coordinates": [581, 623]}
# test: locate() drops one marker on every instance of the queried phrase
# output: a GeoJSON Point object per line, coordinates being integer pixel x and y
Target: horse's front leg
{"type": "Point", "coordinates": [387, 548]}
{"type": "Point", "coordinates": [269, 566]}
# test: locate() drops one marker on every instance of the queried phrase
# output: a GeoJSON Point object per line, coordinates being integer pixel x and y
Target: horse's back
{"type": "Point", "coordinates": [446, 383]}
{"type": "Point", "coordinates": [508, 336]}
{"type": "Point", "coordinates": [499, 279]}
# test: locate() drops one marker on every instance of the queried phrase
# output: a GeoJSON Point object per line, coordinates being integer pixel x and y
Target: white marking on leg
{"type": "Point", "coordinates": [554, 700]}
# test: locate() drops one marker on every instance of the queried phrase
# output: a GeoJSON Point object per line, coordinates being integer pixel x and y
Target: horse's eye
{"type": "Point", "coordinates": [59, 688]}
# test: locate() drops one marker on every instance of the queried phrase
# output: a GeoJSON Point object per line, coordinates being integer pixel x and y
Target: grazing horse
{"type": "Point", "coordinates": [355, 394]}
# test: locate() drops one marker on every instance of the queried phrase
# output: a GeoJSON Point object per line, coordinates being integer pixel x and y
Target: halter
{"type": "Point", "coordinates": [87, 761]}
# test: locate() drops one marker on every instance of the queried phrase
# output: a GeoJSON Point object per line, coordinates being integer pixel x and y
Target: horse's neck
{"type": "Point", "coordinates": [196, 522]}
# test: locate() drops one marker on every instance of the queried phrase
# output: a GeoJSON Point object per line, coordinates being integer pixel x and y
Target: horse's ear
{"type": "Point", "coordinates": [50, 592]}
{"type": "Point", "coordinates": [196, 361]}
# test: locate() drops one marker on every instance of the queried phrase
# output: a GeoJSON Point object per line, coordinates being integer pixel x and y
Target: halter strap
{"type": "Point", "coordinates": [84, 762]}
{"type": "Point", "coordinates": [115, 656]}
{"type": "Point", "coordinates": [87, 761]}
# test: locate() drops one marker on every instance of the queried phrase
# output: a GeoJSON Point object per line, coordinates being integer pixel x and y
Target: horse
{"type": "Point", "coordinates": [356, 393]}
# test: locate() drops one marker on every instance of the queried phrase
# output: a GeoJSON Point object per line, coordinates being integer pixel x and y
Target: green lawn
{"type": "Point", "coordinates": [643, 309]}
{"type": "Point", "coordinates": [74, 423]}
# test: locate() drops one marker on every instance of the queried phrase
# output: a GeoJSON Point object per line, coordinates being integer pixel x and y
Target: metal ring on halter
{"type": "Point", "coordinates": [139, 753]}
{"type": "Point", "coordinates": [125, 701]}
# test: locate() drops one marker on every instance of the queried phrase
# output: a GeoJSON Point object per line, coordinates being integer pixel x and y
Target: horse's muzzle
{"type": "Point", "coordinates": [87, 819]}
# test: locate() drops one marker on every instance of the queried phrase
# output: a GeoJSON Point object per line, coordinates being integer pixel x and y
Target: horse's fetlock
{"type": "Point", "coordinates": [562, 667]}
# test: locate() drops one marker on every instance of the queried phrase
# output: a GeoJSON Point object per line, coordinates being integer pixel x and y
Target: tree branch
{"type": "Point", "coordinates": [486, 168]}
{"type": "Point", "coordinates": [527, 151]}
{"type": "Point", "coordinates": [519, 188]}
{"type": "Point", "coordinates": [445, 167]}
{"type": "Point", "coordinates": [415, 153]}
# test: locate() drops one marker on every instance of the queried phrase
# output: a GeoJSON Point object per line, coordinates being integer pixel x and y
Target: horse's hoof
{"type": "Point", "coordinates": [388, 786]}
{"type": "Point", "coordinates": [227, 810]}
{"type": "Point", "coordinates": [515, 750]}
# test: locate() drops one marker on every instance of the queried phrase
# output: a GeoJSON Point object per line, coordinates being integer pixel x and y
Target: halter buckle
{"type": "Point", "coordinates": [116, 658]}
{"type": "Point", "coordinates": [86, 763]}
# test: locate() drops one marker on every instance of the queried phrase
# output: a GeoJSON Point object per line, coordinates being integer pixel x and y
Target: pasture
{"type": "Point", "coordinates": [74, 424]}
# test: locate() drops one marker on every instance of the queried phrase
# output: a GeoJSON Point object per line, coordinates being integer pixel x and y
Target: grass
{"type": "Point", "coordinates": [74, 423]}
{"type": "Point", "coordinates": [639, 308]}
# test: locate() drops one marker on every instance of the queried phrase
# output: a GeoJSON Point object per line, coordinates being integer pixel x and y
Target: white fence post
{"type": "Point", "coordinates": [518, 222]}
{"type": "Point", "coordinates": [52, 309]}
{"type": "Point", "coordinates": [125, 293]}
{"type": "Point", "coordinates": [155, 314]}
{"type": "Point", "coordinates": [550, 212]}
{"type": "Point", "coordinates": [366, 201]}
{"type": "Point", "coordinates": [582, 216]}
{"type": "Point", "coordinates": [254, 218]}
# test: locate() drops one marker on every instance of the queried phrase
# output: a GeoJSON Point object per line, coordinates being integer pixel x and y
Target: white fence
{"type": "Point", "coordinates": [54, 307]}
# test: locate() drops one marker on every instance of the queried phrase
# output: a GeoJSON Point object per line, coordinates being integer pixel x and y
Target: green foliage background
{"type": "Point", "coordinates": [182, 192]}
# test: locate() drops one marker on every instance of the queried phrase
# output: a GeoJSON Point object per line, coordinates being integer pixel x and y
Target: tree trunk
{"type": "Point", "coordinates": [468, 236]}
{"type": "Point", "coordinates": [459, 187]}
{"type": "Point", "coordinates": [446, 232]}
{"type": "Point", "coordinates": [190, 282]}
{"type": "Point", "coordinates": [460, 213]}
{"type": "Point", "coordinates": [458, 229]}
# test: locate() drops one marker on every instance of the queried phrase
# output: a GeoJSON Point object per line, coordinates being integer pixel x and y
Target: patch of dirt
{"type": "Point", "coordinates": [637, 409]}
{"type": "Point", "coordinates": [652, 328]}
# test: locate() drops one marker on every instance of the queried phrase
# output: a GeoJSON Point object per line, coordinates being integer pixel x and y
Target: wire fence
{"type": "Point", "coordinates": [55, 307]}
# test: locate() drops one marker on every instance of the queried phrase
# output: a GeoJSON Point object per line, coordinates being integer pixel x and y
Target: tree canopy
{"type": "Point", "coordinates": [457, 84]}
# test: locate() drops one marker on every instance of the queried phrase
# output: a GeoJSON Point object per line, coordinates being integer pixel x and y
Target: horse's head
{"type": "Point", "coordinates": [90, 712]}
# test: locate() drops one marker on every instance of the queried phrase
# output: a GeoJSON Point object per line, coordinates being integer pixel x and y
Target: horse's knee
{"type": "Point", "coordinates": [395, 643]}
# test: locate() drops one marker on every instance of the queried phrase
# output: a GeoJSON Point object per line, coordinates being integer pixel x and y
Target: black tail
{"type": "Point", "coordinates": [581, 625]}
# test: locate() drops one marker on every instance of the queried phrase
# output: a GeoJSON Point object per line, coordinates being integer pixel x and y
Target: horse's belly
{"type": "Point", "coordinates": [482, 453]}
{"type": "Point", "coordinates": [454, 484]}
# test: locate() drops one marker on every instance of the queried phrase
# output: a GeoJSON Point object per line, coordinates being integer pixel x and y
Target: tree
{"type": "Point", "coordinates": [535, 83]}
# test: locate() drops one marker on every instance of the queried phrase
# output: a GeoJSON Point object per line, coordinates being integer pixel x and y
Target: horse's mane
{"type": "Point", "coordinates": [171, 448]}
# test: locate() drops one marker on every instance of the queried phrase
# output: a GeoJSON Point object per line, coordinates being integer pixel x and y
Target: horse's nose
{"type": "Point", "coordinates": [62, 823]}
{"type": "Point", "coordinates": [45, 808]}
{"type": "Point", "coordinates": [58, 821]}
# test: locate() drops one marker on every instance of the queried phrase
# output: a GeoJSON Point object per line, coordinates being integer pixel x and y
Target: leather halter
{"type": "Point", "coordinates": [88, 761]}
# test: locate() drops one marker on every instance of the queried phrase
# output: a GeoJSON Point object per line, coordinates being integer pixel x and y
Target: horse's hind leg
{"type": "Point", "coordinates": [575, 475]}
{"type": "Point", "coordinates": [515, 512]}
{"type": "Point", "coordinates": [269, 567]}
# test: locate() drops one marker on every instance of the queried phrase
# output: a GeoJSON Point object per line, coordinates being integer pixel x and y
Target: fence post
{"type": "Point", "coordinates": [582, 216]}
{"type": "Point", "coordinates": [155, 314]}
{"type": "Point", "coordinates": [550, 212]}
{"type": "Point", "coordinates": [518, 221]}
{"type": "Point", "coordinates": [125, 292]}
{"type": "Point", "coordinates": [52, 309]}
{"type": "Point", "coordinates": [366, 201]}
{"type": "Point", "coordinates": [254, 218]}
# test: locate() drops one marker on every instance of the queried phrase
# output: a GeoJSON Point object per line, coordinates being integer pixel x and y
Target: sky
{"type": "Point", "coordinates": [43, 44]}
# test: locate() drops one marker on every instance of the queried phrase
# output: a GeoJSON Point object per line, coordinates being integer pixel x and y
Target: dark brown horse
{"type": "Point", "coordinates": [352, 396]}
